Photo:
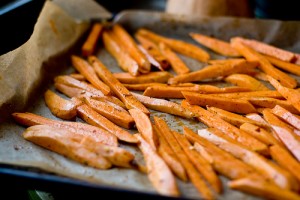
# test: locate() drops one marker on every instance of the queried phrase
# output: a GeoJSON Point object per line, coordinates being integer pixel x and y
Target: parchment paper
{"type": "Point", "coordinates": [20, 73]}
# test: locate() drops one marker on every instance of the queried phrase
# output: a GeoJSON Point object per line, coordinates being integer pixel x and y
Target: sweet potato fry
{"type": "Point", "coordinates": [116, 155]}
{"type": "Point", "coordinates": [70, 91]}
{"type": "Point", "coordinates": [78, 76]}
{"type": "Point", "coordinates": [100, 135]}
{"type": "Point", "coordinates": [247, 81]}
{"type": "Point", "coordinates": [239, 95]}
{"type": "Point", "coordinates": [118, 117]}
{"type": "Point", "coordinates": [60, 107]}
{"type": "Point", "coordinates": [179, 46]}
{"type": "Point", "coordinates": [90, 44]}
{"type": "Point", "coordinates": [159, 173]}
{"type": "Point", "coordinates": [214, 71]}
{"type": "Point", "coordinates": [217, 45]}
{"type": "Point", "coordinates": [65, 143]}
{"type": "Point", "coordinates": [132, 48]}
{"type": "Point", "coordinates": [92, 117]}
{"type": "Point", "coordinates": [200, 163]}
{"type": "Point", "coordinates": [257, 186]}
{"type": "Point", "coordinates": [164, 106]}
{"type": "Point", "coordinates": [192, 172]}
{"type": "Point", "coordinates": [88, 72]}
{"type": "Point", "coordinates": [144, 126]}
{"type": "Point", "coordinates": [291, 95]}
{"type": "Point", "coordinates": [284, 132]}
{"type": "Point", "coordinates": [157, 77]}
{"type": "Point", "coordinates": [154, 51]}
{"type": "Point", "coordinates": [213, 120]}
{"type": "Point", "coordinates": [286, 116]}
{"type": "Point", "coordinates": [169, 156]}
{"type": "Point", "coordinates": [223, 162]}
{"type": "Point", "coordinates": [174, 91]}
{"type": "Point", "coordinates": [267, 102]}
{"type": "Point", "coordinates": [265, 65]}
{"type": "Point", "coordinates": [225, 61]}
{"type": "Point", "coordinates": [176, 63]}
{"type": "Point", "coordinates": [286, 66]}
{"type": "Point", "coordinates": [150, 58]}
{"type": "Point", "coordinates": [259, 133]}
{"type": "Point", "coordinates": [260, 76]}
{"type": "Point", "coordinates": [232, 105]}
{"type": "Point", "coordinates": [124, 60]}
{"type": "Point", "coordinates": [234, 119]}
{"type": "Point", "coordinates": [268, 49]}
{"type": "Point", "coordinates": [124, 95]}
{"type": "Point", "coordinates": [256, 117]}
{"type": "Point", "coordinates": [142, 86]}
{"type": "Point", "coordinates": [267, 168]}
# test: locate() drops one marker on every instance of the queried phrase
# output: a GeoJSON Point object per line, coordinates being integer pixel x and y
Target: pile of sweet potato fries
{"type": "Point", "coordinates": [253, 125]}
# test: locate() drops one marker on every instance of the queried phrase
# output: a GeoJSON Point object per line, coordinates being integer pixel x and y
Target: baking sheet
{"type": "Point", "coordinates": [16, 151]}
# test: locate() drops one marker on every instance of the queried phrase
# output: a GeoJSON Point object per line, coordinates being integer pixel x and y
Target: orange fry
{"type": "Point", "coordinates": [247, 81]}
{"type": "Point", "coordinates": [157, 77]}
{"type": "Point", "coordinates": [92, 117]}
{"type": "Point", "coordinates": [124, 95]}
{"type": "Point", "coordinates": [213, 120]}
{"type": "Point", "coordinates": [265, 65]}
{"type": "Point", "coordinates": [286, 66]}
{"type": "Point", "coordinates": [239, 95]}
{"type": "Point", "coordinates": [217, 45]}
{"type": "Point", "coordinates": [132, 48]}
{"type": "Point", "coordinates": [89, 45]}
{"type": "Point", "coordinates": [232, 105]}
{"type": "Point", "coordinates": [176, 63]}
{"type": "Point", "coordinates": [141, 86]}
{"type": "Point", "coordinates": [88, 72]}
{"type": "Point", "coordinates": [100, 135]}
{"type": "Point", "coordinates": [179, 46]}
{"type": "Point", "coordinates": [78, 76]}
{"type": "Point", "coordinates": [124, 60]}
{"type": "Point", "coordinates": [287, 116]}
{"type": "Point", "coordinates": [214, 71]}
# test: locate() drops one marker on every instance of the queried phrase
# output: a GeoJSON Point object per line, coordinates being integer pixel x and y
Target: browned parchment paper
{"type": "Point", "coordinates": [18, 82]}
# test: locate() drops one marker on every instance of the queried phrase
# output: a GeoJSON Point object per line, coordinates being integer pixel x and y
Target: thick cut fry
{"type": "Point", "coordinates": [267, 102]}
{"type": "Point", "coordinates": [154, 51]}
{"type": "Point", "coordinates": [152, 77]}
{"type": "Point", "coordinates": [65, 143]}
{"type": "Point", "coordinates": [259, 133]}
{"type": "Point", "coordinates": [214, 71]}
{"type": "Point", "coordinates": [291, 95]}
{"type": "Point", "coordinates": [285, 160]}
{"type": "Point", "coordinates": [239, 95]}
{"type": "Point", "coordinates": [60, 107]}
{"type": "Point", "coordinates": [125, 96]}
{"type": "Point", "coordinates": [257, 186]}
{"type": "Point", "coordinates": [90, 44]}
{"type": "Point", "coordinates": [92, 117]}
{"type": "Point", "coordinates": [159, 174]}
{"type": "Point", "coordinates": [192, 172]}
{"type": "Point", "coordinates": [268, 49]}
{"type": "Point", "coordinates": [287, 116]}
{"type": "Point", "coordinates": [100, 135]}
{"type": "Point", "coordinates": [150, 58]}
{"type": "Point", "coordinates": [234, 119]}
{"type": "Point", "coordinates": [264, 64]}
{"type": "Point", "coordinates": [267, 168]}
{"type": "Point", "coordinates": [142, 86]}
{"type": "Point", "coordinates": [217, 45]}
{"type": "Point", "coordinates": [286, 66]}
{"type": "Point", "coordinates": [214, 121]}
{"type": "Point", "coordinates": [169, 156]}
{"type": "Point", "coordinates": [116, 155]}
{"type": "Point", "coordinates": [176, 63]}
{"type": "Point", "coordinates": [200, 163]}
{"type": "Point", "coordinates": [284, 132]}
{"type": "Point", "coordinates": [88, 72]}
{"type": "Point", "coordinates": [120, 118]}
{"type": "Point", "coordinates": [70, 91]}
{"type": "Point", "coordinates": [225, 61]}
{"type": "Point", "coordinates": [132, 48]}
{"type": "Point", "coordinates": [232, 105]}
{"type": "Point", "coordinates": [124, 60]}
{"type": "Point", "coordinates": [174, 91]}
{"type": "Point", "coordinates": [144, 126]}
{"type": "Point", "coordinates": [78, 76]}
{"type": "Point", "coordinates": [223, 162]}
{"type": "Point", "coordinates": [179, 46]}
{"type": "Point", "coordinates": [247, 81]}
{"type": "Point", "coordinates": [164, 106]}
